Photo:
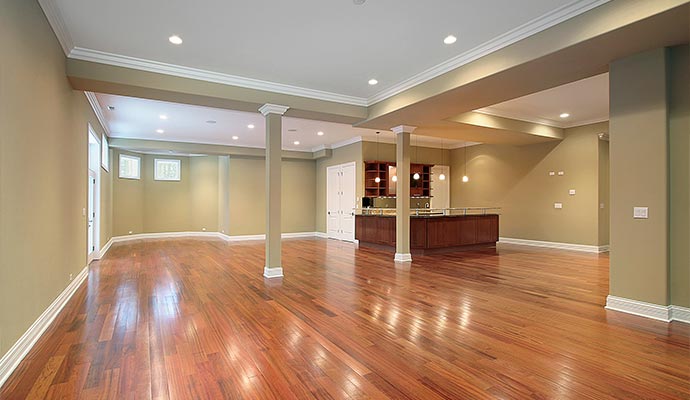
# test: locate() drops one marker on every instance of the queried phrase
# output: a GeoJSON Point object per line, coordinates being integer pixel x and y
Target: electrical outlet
{"type": "Point", "coordinates": [558, 205]}
{"type": "Point", "coordinates": [130, 232]}
{"type": "Point", "coordinates": [640, 212]}
{"type": "Point", "coordinates": [83, 212]}
{"type": "Point", "coordinates": [203, 229]}
{"type": "Point", "coordinates": [552, 173]}
{"type": "Point", "coordinates": [71, 276]}
{"type": "Point", "coordinates": [571, 192]}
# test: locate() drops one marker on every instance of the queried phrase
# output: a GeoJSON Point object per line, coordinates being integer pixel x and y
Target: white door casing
{"type": "Point", "coordinates": [341, 201]}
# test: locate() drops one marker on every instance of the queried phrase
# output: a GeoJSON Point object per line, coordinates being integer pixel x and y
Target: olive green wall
{"type": "Point", "coordinates": [43, 171]}
{"type": "Point", "coordinates": [341, 155]}
{"type": "Point", "coordinates": [516, 178]}
{"type": "Point", "coordinates": [639, 177]}
{"type": "Point", "coordinates": [679, 145]}
{"type": "Point", "coordinates": [248, 196]}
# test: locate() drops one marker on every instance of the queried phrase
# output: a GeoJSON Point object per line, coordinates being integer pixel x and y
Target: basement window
{"type": "Point", "coordinates": [166, 170]}
{"type": "Point", "coordinates": [130, 167]}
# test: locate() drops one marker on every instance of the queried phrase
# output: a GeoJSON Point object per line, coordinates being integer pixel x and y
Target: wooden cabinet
{"type": "Point", "coordinates": [386, 187]}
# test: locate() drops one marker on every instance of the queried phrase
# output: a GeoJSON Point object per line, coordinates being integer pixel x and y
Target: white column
{"type": "Point", "coordinates": [274, 114]}
{"type": "Point", "coordinates": [402, 200]}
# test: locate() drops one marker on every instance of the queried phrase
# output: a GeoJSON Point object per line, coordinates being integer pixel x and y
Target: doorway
{"type": "Point", "coordinates": [341, 201]}
{"type": "Point", "coordinates": [92, 210]}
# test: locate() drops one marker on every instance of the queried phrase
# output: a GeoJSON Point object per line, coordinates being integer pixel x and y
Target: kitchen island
{"type": "Point", "coordinates": [431, 232]}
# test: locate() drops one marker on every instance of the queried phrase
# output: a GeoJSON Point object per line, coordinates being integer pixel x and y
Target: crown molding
{"type": "Point", "coordinates": [79, 53]}
{"type": "Point", "coordinates": [52, 13]}
{"type": "Point", "coordinates": [403, 128]}
{"type": "Point", "coordinates": [98, 110]}
{"type": "Point", "coordinates": [524, 31]}
{"type": "Point", "coordinates": [272, 109]}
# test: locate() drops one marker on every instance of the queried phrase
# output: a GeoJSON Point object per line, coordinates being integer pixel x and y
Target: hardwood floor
{"type": "Point", "coordinates": [194, 319]}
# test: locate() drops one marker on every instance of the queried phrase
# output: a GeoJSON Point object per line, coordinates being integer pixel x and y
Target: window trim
{"type": "Point", "coordinates": [173, 160]}
{"type": "Point", "coordinates": [105, 154]}
{"type": "Point", "coordinates": [119, 167]}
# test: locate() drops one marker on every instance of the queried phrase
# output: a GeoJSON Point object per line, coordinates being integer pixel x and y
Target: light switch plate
{"type": "Point", "coordinates": [640, 212]}
{"type": "Point", "coordinates": [602, 205]}
{"type": "Point", "coordinates": [571, 192]}
{"type": "Point", "coordinates": [558, 205]}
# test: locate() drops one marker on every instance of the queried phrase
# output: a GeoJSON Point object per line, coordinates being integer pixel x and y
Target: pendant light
{"type": "Point", "coordinates": [378, 178]}
{"type": "Point", "coordinates": [442, 177]}
{"type": "Point", "coordinates": [465, 178]}
{"type": "Point", "coordinates": [416, 150]}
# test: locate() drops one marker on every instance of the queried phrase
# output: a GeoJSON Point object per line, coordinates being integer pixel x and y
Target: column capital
{"type": "Point", "coordinates": [272, 109]}
{"type": "Point", "coordinates": [403, 128]}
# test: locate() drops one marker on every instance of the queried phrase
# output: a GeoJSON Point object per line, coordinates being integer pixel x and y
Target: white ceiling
{"type": "Point", "coordinates": [135, 118]}
{"type": "Point", "coordinates": [332, 46]}
{"type": "Point", "coordinates": [587, 101]}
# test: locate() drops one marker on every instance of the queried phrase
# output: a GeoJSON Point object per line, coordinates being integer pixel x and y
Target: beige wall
{"type": "Point", "coordinates": [341, 155]}
{"type": "Point", "coordinates": [516, 178]}
{"type": "Point", "coordinates": [604, 192]}
{"type": "Point", "coordinates": [204, 193]}
{"type": "Point", "coordinates": [247, 196]}
{"type": "Point", "coordinates": [639, 177]}
{"type": "Point", "coordinates": [43, 170]}
{"type": "Point", "coordinates": [679, 145]}
{"type": "Point", "coordinates": [167, 204]}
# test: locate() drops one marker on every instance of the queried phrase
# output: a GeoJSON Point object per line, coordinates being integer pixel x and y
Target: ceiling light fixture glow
{"type": "Point", "coordinates": [394, 178]}
{"type": "Point", "coordinates": [174, 39]}
{"type": "Point", "coordinates": [235, 137]}
{"type": "Point", "coordinates": [163, 116]}
{"type": "Point", "coordinates": [296, 142]}
{"type": "Point", "coordinates": [450, 39]}
{"type": "Point", "coordinates": [320, 133]}
{"type": "Point", "coordinates": [250, 126]}
{"type": "Point", "coordinates": [373, 82]}
{"type": "Point", "coordinates": [564, 115]}
{"type": "Point", "coordinates": [160, 131]}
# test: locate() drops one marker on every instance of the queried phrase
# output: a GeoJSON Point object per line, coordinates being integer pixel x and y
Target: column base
{"type": "Point", "coordinates": [273, 272]}
{"type": "Point", "coordinates": [403, 257]}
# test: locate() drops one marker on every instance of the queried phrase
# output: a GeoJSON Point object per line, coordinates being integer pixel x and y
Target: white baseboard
{"type": "Point", "coordinates": [21, 348]}
{"type": "Point", "coordinates": [555, 245]}
{"type": "Point", "coordinates": [681, 314]}
{"type": "Point", "coordinates": [403, 257]}
{"type": "Point", "coordinates": [648, 310]}
{"type": "Point", "coordinates": [322, 235]}
{"type": "Point", "coordinates": [274, 272]}
{"type": "Point", "coordinates": [99, 254]}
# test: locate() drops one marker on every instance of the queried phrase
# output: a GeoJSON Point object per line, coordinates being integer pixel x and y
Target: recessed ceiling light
{"type": "Point", "coordinates": [210, 121]}
{"type": "Point", "coordinates": [320, 133]}
{"type": "Point", "coordinates": [163, 116]}
{"type": "Point", "coordinates": [296, 142]}
{"type": "Point", "coordinates": [250, 126]}
{"type": "Point", "coordinates": [160, 131]}
{"type": "Point", "coordinates": [450, 39]}
{"type": "Point", "coordinates": [373, 82]}
{"type": "Point", "coordinates": [565, 115]}
{"type": "Point", "coordinates": [235, 137]}
{"type": "Point", "coordinates": [174, 39]}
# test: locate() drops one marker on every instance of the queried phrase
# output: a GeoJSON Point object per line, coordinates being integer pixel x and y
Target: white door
{"type": "Point", "coordinates": [440, 189]}
{"type": "Point", "coordinates": [91, 215]}
{"type": "Point", "coordinates": [333, 202]}
{"type": "Point", "coordinates": [348, 202]}
{"type": "Point", "coordinates": [340, 201]}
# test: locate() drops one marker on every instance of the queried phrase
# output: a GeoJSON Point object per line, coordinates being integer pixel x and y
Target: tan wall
{"type": "Point", "coordinates": [247, 196]}
{"type": "Point", "coordinates": [679, 145]}
{"type": "Point", "coordinates": [204, 193]}
{"type": "Point", "coordinates": [604, 192]}
{"type": "Point", "coordinates": [128, 200]}
{"type": "Point", "coordinates": [639, 177]}
{"type": "Point", "coordinates": [167, 204]}
{"type": "Point", "coordinates": [341, 155]}
{"type": "Point", "coordinates": [516, 178]}
{"type": "Point", "coordinates": [43, 170]}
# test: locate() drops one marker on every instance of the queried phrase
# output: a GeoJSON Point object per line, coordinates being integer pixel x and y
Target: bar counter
{"type": "Point", "coordinates": [430, 232]}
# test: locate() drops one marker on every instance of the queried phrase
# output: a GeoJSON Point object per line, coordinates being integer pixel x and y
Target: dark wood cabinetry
{"type": "Point", "coordinates": [420, 187]}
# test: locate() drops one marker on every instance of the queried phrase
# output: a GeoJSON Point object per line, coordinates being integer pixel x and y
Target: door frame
{"type": "Point", "coordinates": [95, 253]}
{"type": "Point", "coordinates": [340, 167]}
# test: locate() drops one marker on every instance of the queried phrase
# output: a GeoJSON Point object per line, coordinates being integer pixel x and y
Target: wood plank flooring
{"type": "Point", "coordinates": [194, 319]}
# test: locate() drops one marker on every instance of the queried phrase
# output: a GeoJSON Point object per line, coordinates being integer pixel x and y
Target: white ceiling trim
{"type": "Point", "coordinates": [98, 110]}
{"type": "Point", "coordinates": [530, 28]}
{"type": "Point", "coordinates": [102, 57]}
{"type": "Point", "coordinates": [52, 13]}
{"type": "Point", "coordinates": [540, 121]}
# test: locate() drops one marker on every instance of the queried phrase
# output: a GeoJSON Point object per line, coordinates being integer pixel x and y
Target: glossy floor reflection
{"type": "Point", "coordinates": [194, 319]}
